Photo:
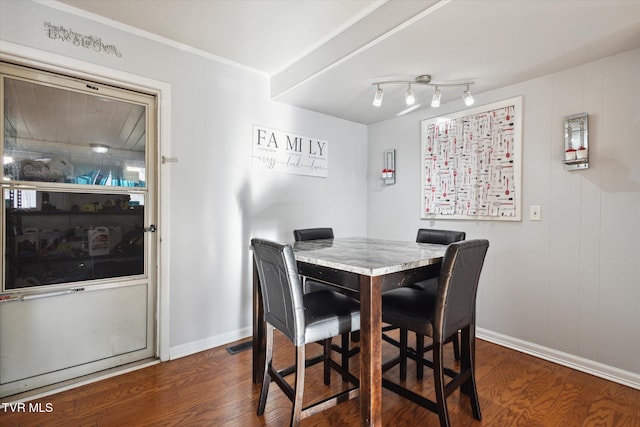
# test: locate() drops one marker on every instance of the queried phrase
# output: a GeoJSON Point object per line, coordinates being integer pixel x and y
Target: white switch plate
{"type": "Point", "coordinates": [534, 213]}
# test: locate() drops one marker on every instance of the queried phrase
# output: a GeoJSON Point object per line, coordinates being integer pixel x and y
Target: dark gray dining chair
{"type": "Point", "coordinates": [430, 285]}
{"type": "Point", "coordinates": [302, 318]}
{"type": "Point", "coordinates": [438, 237]}
{"type": "Point", "coordinates": [344, 349]}
{"type": "Point", "coordinates": [304, 234]}
{"type": "Point", "coordinates": [440, 316]}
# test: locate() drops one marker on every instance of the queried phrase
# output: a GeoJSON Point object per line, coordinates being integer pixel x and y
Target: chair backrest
{"type": "Point", "coordinates": [281, 288]}
{"type": "Point", "coordinates": [458, 286]}
{"type": "Point", "coordinates": [312, 234]}
{"type": "Point", "coordinates": [441, 237]}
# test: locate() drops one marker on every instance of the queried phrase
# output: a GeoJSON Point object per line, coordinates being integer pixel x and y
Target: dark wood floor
{"type": "Point", "coordinates": [214, 388]}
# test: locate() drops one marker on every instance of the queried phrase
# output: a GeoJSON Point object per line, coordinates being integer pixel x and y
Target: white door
{"type": "Point", "coordinates": [79, 285]}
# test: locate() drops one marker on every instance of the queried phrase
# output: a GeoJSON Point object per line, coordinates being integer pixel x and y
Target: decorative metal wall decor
{"type": "Point", "coordinates": [389, 167]}
{"type": "Point", "coordinates": [58, 32]}
{"type": "Point", "coordinates": [471, 163]}
{"type": "Point", "coordinates": [576, 141]}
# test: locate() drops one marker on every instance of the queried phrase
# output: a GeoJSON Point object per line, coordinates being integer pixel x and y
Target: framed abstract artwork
{"type": "Point", "coordinates": [471, 163]}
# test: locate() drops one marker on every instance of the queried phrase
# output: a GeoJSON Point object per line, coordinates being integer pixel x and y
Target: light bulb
{"type": "Point", "coordinates": [435, 100]}
{"type": "Point", "coordinates": [377, 99]}
{"type": "Point", "coordinates": [408, 97]}
{"type": "Point", "coordinates": [468, 99]}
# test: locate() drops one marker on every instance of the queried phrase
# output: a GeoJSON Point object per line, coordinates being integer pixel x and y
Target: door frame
{"type": "Point", "coordinates": [48, 61]}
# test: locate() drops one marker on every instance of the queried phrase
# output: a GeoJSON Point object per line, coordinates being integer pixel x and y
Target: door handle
{"type": "Point", "coordinates": [150, 229]}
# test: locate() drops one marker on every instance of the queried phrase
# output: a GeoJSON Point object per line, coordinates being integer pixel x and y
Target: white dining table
{"type": "Point", "coordinates": [369, 266]}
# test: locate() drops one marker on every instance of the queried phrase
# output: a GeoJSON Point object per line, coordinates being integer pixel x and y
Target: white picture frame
{"type": "Point", "coordinates": [472, 163]}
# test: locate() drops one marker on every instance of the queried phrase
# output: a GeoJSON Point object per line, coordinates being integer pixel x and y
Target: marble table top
{"type": "Point", "coordinates": [371, 257]}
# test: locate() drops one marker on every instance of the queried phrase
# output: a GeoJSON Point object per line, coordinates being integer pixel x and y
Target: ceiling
{"type": "Point", "coordinates": [324, 55]}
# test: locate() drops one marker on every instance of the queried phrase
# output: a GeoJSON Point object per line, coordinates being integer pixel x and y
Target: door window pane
{"type": "Point", "coordinates": [54, 134]}
{"type": "Point", "coordinates": [72, 237]}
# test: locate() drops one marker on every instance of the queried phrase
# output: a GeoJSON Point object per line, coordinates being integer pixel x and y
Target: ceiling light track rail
{"type": "Point", "coordinates": [424, 80]}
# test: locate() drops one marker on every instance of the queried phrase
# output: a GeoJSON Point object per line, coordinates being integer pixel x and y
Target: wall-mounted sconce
{"type": "Point", "coordinates": [389, 167]}
{"type": "Point", "coordinates": [424, 80]}
{"type": "Point", "coordinates": [576, 141]}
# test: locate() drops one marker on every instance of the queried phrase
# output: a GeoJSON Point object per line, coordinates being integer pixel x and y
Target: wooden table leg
{"type": "Point", "coordinates": [370, 351]}
{"type": "Point", "coordinates": [259, 343]}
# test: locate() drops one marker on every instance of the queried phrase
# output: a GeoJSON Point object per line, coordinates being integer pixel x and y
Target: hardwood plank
{"type": "Point", "coordinates": [214, 388]}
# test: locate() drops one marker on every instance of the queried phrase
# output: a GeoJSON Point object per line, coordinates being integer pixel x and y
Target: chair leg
{"type": "Point", "coordinates": [345, 355]}
{"type": "Point", "coordinates": [327, 357]}
{"type": "Point", "coordinates": [419, 356]}
{"type": "Point", "coordinates": [266, 379]}
{"type": "Point", "coordinates": [456, 346]}
{"type": "Point", "coordinates": [298, 390]}
{"type": "Point", "coordinates": [439, 380]}
{"type": "Point", "coordinates": [404, 333]}
{"type": "Point", "coordinates": [468, 363]}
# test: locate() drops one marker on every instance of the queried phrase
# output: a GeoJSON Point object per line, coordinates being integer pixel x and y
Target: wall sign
{"type": "Point", "coordinates": [58, 32]}
{"type": "Point", "coordinates": [471, 163]}
{"type": "Point", "coordinates": [290, 153]}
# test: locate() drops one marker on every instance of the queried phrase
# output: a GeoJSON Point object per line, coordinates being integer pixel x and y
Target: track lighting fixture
{"type": "Point", "coordinates": [466, 96]}
{"type": "Point", "coordinates": [424, 80]}
{"type": "Point", "coordinates": [435, 100]}
{"type": "Point", "coordinates": [377, 100]}
{"type": "Point", "coordinates": [408, 97]}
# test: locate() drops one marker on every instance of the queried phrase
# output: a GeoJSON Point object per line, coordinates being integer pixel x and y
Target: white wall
{"type": "Point", "coordinates": [567, 287]}
{"type": "Point", "coordinates": [218, 202]}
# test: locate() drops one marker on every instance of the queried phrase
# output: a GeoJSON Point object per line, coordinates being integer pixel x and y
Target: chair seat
{"type": "Point", "coordinates": [311, 285]}
{"type": "Point", "coordinates": [429, 285]}
{"type": "Point", "coordinates": [407, 308]}
{"type": "Point", "coordinates": [328, 314]}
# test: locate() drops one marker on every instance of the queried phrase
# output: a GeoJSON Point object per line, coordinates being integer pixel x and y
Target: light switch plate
{"type": "Point", "coordinates": [534, 213]}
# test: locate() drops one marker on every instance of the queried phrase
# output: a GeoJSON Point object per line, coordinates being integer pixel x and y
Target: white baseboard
{"type": "Point", "coordinates": [208, 343]}
{"type": "Point", "coordinates": [598, 369]}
